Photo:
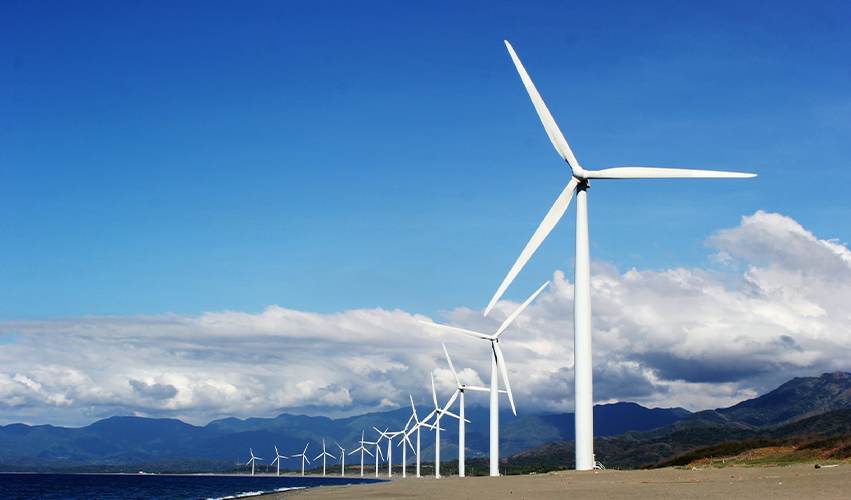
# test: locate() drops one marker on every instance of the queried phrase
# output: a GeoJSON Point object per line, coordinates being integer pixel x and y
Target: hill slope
{"type": "Point", "coordinates": [784, 412]}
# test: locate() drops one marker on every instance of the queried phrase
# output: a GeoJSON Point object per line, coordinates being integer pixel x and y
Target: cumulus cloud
{"type": "Point", "coordinates": [772, 303]}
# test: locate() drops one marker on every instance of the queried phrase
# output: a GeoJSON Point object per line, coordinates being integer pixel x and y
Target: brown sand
{"type": "Point", "coordinates": [769, 483]}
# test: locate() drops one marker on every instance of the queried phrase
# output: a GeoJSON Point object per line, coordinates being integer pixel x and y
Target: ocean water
{"type": "Point", "coordinates": [153, 486]}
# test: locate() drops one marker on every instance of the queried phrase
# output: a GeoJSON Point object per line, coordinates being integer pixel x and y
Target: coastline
{"type": "Point", "coordinates": [754, 483]}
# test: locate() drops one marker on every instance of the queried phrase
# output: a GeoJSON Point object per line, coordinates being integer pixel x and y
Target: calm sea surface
{"type": "Point", "coordinates": [151, 487]}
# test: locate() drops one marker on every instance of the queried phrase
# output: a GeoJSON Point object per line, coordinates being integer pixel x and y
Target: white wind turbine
{"type": "Point", "coordinates": [303, 458]}
{"type": "Point", "coordinates": [361, 449]}
{"type": "Point", "coordinates": [323, 455]}
{"type": "Point", "coordinates": [438, 413]}
{"type": "Point", "coordinates": [497, 364]}
{"type": "Point", "coordinates": [459, 391]}
{"type": "Point", "coordinates": [278, 458]}
{"type": "Point", "coordinates": [389, 436]}
{"type": "Point", "coordinates": [252, 460]}
{"type": "Point", "coordinates": [582, 268]}
{"type": "Point", "coordinates": [405, 438]}
{"type": "Point", "coordinates": [377, 452]}
{"type": "Point", "coordinates": [342, 459]}
{"type": "Point", "coordinates": [416, 427]}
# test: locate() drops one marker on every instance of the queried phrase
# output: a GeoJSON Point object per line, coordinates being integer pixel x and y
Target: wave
{"type": "Point", "coordinates": [256, 493]}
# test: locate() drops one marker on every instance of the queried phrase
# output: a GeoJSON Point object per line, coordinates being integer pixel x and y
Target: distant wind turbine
{"type": "Point", "coordinates": [252, 460]}
{"type": "Point", "coordinates": [438, 413]}
{"type": "Point", "coordinates": [405, 439]}
{"type": "Point", "coordinates": [278, 458]}
{"type": "Point", "coordinates": [377, 452]}
{"type": "Point", "coordinates": [303, 456]}
{"type": "Point", "coordinates": [342, 459]}
{"type": "Point", "coordinates": [323, 455]}
{"type": "Point", "coordinates": [361, 449]}
{"type": "Point", "coordinates": [389, 436]}
{"type": "Point", "coordinates": [497, 365]}
{"type": "Point", "coordinates": [460, 393]}
{"type": "Point", "coordinates": [417, 424]}
{"type": "Point", "coordinates": [584, 406]}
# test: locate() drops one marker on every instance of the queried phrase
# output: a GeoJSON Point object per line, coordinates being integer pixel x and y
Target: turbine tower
{"type": "Point", "coordinates": [303, 458]}
{"type": "Point", "coordinates": [460, 392]}
{"type": "Point", "coordinates": [497, 365]}
{"type": "Point", "coordinates": [438, 413]}
{"type": "Point", "coordinates": [377, 452]}
{"type": "Point", "coordinates": [405, 438]}
{"type": "Point", "coordinates": [323, 455]}
{"type": "Point", "coordinates": [342, 459]}
{"type": "Point", "coordinates": [582, 278]}
{"type": "Point", "coordinates": [278, 458]}
{"type": "Point", "coordinates": [252, 460]}
{"type": "Point", "coordinates": [389, 436]}
{"type": "Point", "coordinates": [417, 424]}
{"type": "Point", "coordinates": [361, 449]}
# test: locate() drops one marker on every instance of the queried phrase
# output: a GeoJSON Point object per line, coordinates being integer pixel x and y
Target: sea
{"type": "Point", "coordinates": [155, 486]}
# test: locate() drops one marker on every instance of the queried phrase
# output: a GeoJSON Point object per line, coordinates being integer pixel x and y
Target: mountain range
{"type": "Point", "coordinates": [544, 438]}
{"type": "Point", "coordinates": [805, 406]}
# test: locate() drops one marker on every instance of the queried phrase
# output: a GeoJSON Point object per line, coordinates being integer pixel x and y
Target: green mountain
{"type": "Point", "coordinates": [811, 406]}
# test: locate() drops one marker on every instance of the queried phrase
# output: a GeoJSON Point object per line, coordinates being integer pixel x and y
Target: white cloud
{"type": "Point", "coordinates": [772, 304]}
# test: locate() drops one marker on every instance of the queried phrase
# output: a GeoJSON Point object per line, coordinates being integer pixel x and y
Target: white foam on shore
{"type": "Point", "coordinates": [256, 493]}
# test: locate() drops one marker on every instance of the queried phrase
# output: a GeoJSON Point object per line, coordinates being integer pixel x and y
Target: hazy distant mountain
{"type": "Point", "coordinates": [122, 440]}
{"type": "Point", "coordinates": [642, 434]}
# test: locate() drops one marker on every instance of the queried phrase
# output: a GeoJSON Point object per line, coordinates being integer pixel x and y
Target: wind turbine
{"type": "Point", "coordinates": [323, 455]}
{"type": "Point", "coordinates": [582, 268]}
{"type": "Point", "coordinates": [253, 459]}
{"type": "Point", "coordinates": [361, 449]}
{"type": "Point", "coordinates": [278, 458]}
{"type": "Point", "coordinates": [416, 427]}
{"type": "Point", "coordinates": [405, 438]}
{"type": "Point", "coordinates": [497, 363]}
{"type": "Point", "coordinates": [342, 459]}
{"type": "Point", "coordinates": [377, 452]}
{"type": "Point", "coordinates": [438, 413]}
{"type": "Point", "coordinates": [303, 458]}
{"type": "Point", "coordinates": [461, 428]}
{"type": "Point", "coordinates": [389, 436]}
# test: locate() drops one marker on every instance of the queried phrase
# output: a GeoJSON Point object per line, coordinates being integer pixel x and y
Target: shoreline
{"type": "Point", "coordinates": [754, 483]}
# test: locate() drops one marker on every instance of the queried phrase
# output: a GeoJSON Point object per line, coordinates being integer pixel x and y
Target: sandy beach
{"type": "Point", "coordinates": [793, 482]}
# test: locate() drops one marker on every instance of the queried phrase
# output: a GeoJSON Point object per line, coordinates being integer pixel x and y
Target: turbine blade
{"type": "Point", "coordinates": [660, 173]}
{"type": "Point", "coordinates": [547, 225]}
{"type": "Point", "coordinates": [434, 392]}
{"type": "Point", "coordinates": [450, 364]}
{"type": "Point", "coordinates": [414, 408]}
{"type": "Point", "coordinates": [517, 312]}
{"type": "Point", "coordinates": [552, 129]}
{"type": "Point", "coordinates": [453, 415]}
{"type": "Point", "coordinates": [500, 360]}
{"type": "Point", "coordinates": [453, 398]}
{"type": "Point", "coordinates": [455, 329]}
{"type": "Point", "coordinates": [423, 421]}
{"type": "Point", "coordinates": [474, 388]}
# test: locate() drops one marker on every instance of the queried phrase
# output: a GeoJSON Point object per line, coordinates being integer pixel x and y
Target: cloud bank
{"type": "Point", "coordinates": [772, 303]}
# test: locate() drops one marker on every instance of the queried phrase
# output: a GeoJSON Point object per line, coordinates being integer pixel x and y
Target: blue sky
{"type": "Point", "coordinates": [187, 158]}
